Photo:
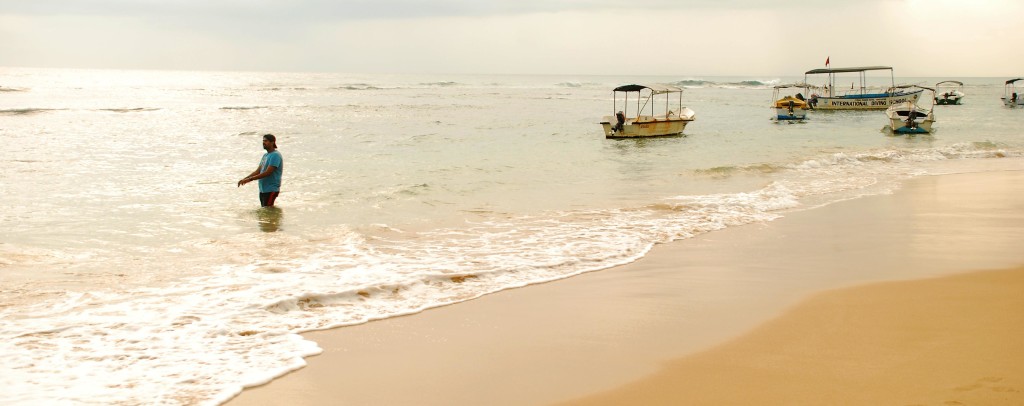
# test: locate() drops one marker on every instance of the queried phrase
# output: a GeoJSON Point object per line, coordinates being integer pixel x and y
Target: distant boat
{"type": "Point", "coordinates": [949, 92]}
{"type": "Point", "coordinates": [649, 119]}
{"type": "Point", "coordinates": [1010, 97]}
{"type": "Point", "coordinates": [910, 117]}
{"type": "Point", "coordinates": [789, 107]}
{"type": "Point", "coordinates": [829, 97]}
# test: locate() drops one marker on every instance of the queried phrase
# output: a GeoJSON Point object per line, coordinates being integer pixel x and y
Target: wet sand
{"type": "Point", "coordinates": [729, 299]}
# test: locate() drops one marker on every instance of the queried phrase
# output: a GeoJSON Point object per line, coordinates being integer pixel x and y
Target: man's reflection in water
{"type": "Point", "coordinates": [269, 218]}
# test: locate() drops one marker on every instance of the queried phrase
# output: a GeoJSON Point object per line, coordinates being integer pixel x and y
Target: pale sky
{"type": "Point", "coordinates": [948, 38]}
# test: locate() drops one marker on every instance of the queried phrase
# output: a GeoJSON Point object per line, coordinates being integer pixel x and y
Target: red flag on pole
{"type": "Point", "coordinates": [826, 61]}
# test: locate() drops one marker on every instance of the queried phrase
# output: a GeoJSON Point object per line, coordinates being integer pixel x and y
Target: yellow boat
{"type": "Point", "coordinates": [791, 107]}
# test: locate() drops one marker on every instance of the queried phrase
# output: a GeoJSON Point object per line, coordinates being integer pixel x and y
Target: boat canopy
{"type": "Point", "coordinates": [843, 70]}
{"type": "Point", "coordinates": [788, 85]}
{"type": "Point", "coordinates": [1013, 80]}
{"type": "Point", "coordinates": [955, 82]}
{"type": "Point", "coordinates": [657, 88]}
{"type": "Point", "coordinates": [912, 87]}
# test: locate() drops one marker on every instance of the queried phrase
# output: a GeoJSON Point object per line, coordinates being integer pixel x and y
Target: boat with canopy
{"type": "Point", "coordinates": [789, 107]}
{"type": "Point", "coordinates": [911, 117]}
{"type": "Point", "coordinates": [830, 97]}
{"type": "Point", "coordinates": [1010, 97]}
{"type": "Point", "coordinates": [659, 111]}
{"type": "Point", "coordinates": [949, 92]}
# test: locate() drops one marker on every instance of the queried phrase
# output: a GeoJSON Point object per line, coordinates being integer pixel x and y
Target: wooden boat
{"type": "Point", "coordinates": [828, 97]}
{"type": "Point", "coordinates": [910, 117]}
{"type": "Point", "coordinates": [789, 107]}
{"type": "Point", "coordinates": [648, 119]}
{"type": "Point", "coordinates": [949, 92]}
{"type": "Point", "coordinates": [1010, 97]}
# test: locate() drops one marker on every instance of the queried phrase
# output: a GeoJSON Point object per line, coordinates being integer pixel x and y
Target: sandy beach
{"type": "Point", "coordinates": [947, 341]}
{"type": "Point", "coordinates": [911, 298]}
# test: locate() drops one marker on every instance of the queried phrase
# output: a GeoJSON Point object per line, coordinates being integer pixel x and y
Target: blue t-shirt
{"type": "Point", "coordinates": [271, 183]}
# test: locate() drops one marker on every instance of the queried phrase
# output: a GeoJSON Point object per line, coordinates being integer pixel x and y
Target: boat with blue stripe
{"type": "Point", "coordinates": [829, 97]}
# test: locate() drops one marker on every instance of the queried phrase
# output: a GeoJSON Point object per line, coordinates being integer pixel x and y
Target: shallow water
{"type": "Point", "coordinates": [134, 270]}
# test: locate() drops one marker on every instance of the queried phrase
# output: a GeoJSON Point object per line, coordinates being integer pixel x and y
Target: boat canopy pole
{"type": "Point", "coordinates": [650, 101]}
{"type": "Point", "coordinates": [638, 107]}
{"type": "Point", "coordinates": [625, 103]}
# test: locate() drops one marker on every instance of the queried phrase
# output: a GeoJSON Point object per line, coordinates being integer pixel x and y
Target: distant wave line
{"type": "Point", "coordinates": [355, 86]}
{"type": "Point", "coordinates": [130, 110]}
{"type": "Point", "coordinates": [244, 107]}
{"type": "Point", "coordinates": [712, 83]}
{"type": "Point", "coordinates": [25, 111]}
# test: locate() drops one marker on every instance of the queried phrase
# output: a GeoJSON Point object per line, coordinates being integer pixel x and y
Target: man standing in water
{"type": "Point", "coordinates": [268, 172]}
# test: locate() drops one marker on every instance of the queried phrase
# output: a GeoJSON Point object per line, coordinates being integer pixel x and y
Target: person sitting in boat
{"type": "Point", "coordinates": [620, 119]}
{"type": "Point", "coordinates": [1013, 98]}
{"type": "Point", "coordinates": [814, 101]}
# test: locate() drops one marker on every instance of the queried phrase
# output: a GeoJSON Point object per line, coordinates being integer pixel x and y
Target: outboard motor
{"type": "Point", "coordinates": [911, 124]}
{"type": "Point", "coordinates": [620, 119]}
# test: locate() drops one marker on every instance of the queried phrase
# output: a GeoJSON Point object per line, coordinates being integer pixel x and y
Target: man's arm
{"type": "Point", "coordinates": [257, 175]}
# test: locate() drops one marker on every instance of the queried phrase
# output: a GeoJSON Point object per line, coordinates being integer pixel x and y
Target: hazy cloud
{"type": "Point", "coordinates": [724, 37]}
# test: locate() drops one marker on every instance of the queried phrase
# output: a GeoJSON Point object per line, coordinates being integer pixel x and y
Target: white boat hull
{"type": "Point", "coordinates": [1011, 103]}
{"type": "Point", "coordinates": [645, 129]}
{"type": "Point", "coordinates": [899, 121]}
{"type": "Point", "coordinates": [857, 102]}
{"type": "Point", "coordinates": [648, 126]}
{"type": "Point", "coordinates": [949, 98]}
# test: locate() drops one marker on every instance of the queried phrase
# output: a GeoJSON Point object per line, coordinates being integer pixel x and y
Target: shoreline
{"type": "Point", "coordinates": [591, 333]}
{"type": "Point", "coordinates": [953, 340]}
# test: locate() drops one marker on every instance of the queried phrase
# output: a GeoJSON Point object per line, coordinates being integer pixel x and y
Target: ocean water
{"type": "Point", "coordinates": [134, 271]}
